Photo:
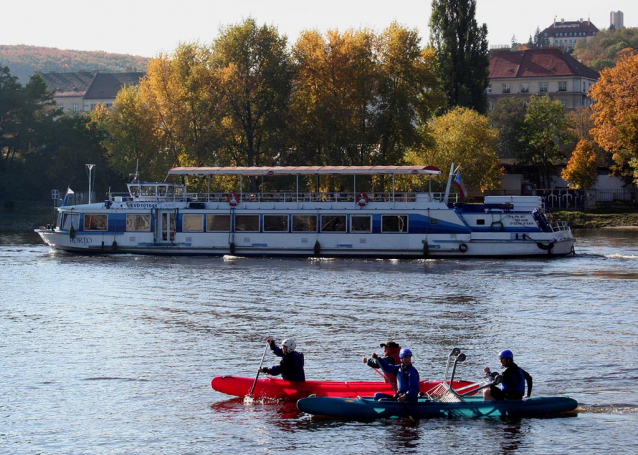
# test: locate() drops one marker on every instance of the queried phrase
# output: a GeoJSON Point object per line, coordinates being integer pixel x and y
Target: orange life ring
{"type": "Point", "coordinates": [233, 199]}
{"type": "Point", "coordinates": [362, 199]}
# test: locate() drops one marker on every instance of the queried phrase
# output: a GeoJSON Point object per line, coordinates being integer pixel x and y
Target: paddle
{"type": "Point", "coordinates": [249, 398]}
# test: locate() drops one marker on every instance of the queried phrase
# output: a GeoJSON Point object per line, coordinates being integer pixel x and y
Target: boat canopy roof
{"type": "Point", "coordinates": [306, 170]}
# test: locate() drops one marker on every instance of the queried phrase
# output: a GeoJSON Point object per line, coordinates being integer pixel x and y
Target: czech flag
{"type": "Point", "coordinates": [458, 181]}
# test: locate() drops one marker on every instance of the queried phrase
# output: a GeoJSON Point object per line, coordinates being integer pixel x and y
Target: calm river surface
{"type": "Point", "coordinates": [114, 354]}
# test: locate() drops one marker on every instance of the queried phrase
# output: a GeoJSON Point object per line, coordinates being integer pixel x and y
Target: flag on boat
{"type": "Point", "coordinates": [67, 197]}
{"type": "Point", "coordinates": [458, 181]}
{"type": "Point", "coordinates": [69, 190]}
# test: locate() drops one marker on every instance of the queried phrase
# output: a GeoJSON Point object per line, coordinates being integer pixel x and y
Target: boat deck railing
{"type": "Point", "coordinates": [289, 196]}
{"type": "Point", "coordinates": [561, 228]}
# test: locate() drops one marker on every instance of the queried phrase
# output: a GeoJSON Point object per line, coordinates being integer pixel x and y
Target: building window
{"type": "Point", "coordinates": [489, 88]}
{"type": "Point", "coordinates": [564, 103]}
{"type": "Point", "coordinates": [506, 88]}
{"type": "Point", "coordinates": [543, 87]}
{"type": "Point", "coordinates": [524, 87]}
{"type": "Point", "coordinates": [76, 107]}
{"type": "Point", "coordinates": [562, 86]}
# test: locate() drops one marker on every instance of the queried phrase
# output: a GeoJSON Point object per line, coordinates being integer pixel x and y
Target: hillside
{"type": "Point", "coordinates": [23, 61]}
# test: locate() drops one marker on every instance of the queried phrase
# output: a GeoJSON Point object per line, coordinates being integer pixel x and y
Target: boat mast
{"type": "Point", "coordinates": [449, 183]}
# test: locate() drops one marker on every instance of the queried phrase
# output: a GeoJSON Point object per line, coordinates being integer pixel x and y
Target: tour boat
{"type": "Point", "coordinates": [165, 218]}
{"type": "Point", "coordinates": [280, 389]}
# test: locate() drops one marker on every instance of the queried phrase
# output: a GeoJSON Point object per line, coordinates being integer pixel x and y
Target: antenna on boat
{"type": "Point", "coordinates": [137, 171]}
{"type": "Point", "coordinates": [449, 183]}
{"type": "Point", "coordinates": [89, 171]}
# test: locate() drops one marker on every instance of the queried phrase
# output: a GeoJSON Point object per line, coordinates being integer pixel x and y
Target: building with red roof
{"type": "Point", "coordinates": [547, 71]}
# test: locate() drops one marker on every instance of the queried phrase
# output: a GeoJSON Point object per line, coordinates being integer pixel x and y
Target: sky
{"type": "Point", "coordinates": [149, 27]}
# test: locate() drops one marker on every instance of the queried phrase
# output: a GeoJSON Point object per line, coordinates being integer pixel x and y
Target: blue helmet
{"type": "Point", "coordinates": [506, 354]}
{"type": "Point", "coordinates": [405, 352]}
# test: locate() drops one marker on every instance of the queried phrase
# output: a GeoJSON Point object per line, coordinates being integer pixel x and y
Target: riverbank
{"type": "Point", "coordinates": [26, 217]}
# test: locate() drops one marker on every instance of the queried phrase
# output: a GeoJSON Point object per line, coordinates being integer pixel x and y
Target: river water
{"type": "Point", "coordinates": [115, 354]}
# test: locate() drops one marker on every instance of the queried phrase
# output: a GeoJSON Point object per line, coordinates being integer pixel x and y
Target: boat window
{"type": "Point", "coordinates": [179, 191]}
{"type": "Point", "coordinates": [218, 223]}
{"type": "Point", "coordinates": [134, 190]}
{"type": "Point", "coordinates": [247, 223]}
{"type": "Point", "coordinates": [434, 221]}
{"type": "Point", "coordinates": [161, 190]}
{"type": "Point", "coordinates": [193, 223]}
{"type": "Point", "coordinates": [304, 223]}
{"type": "Point", "coordinates": [394, 223]}
{"type": "Point", "coordinates": [360, 223]}
{"type": "Point", "coordinates": [138, 222]}
{"type": "Point", "coordinates": [275, 223]}
{"type": "Point", "coordinates": [480, 222]}
{"type": "Point", "coordinates": [95, 222]}
{"type": "Point", "coordinates": [336, 223]}
{"type": "Point", "coordinates": [170, 191]}
{"type": "Point", "coordinates": [148, 190]}
{"type": "Point", "coordinates": [70, 219]}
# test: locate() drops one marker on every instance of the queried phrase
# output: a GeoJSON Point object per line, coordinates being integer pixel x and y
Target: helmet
{"type": "Point", "coordinates": [290, 344]}
{"type": "Point", "coordinates": [506, 354]}
{"type": "Point", "coordinates": [405, 353]}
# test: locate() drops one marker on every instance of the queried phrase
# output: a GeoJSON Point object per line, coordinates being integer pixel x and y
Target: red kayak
{"type": "Point", "coordinates": [287, 390]}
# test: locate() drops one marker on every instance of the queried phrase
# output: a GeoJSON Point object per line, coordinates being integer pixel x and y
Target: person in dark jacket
{"type": "Point", "coordinates": [391, 352]}
{"type": "Point", "coordinates": [512, 380]}
{"type": "Point", "coordinates": [408, 383]}
{"type": "Point", "coordinates": [292, 362]}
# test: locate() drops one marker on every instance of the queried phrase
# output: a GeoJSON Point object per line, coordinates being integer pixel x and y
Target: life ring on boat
{"type": "Point", "coordinates": [462, 247]}
{"type": "Point", "coordinates": [233, 199]}
{"type": "Point", "coordinates": [362, 199]}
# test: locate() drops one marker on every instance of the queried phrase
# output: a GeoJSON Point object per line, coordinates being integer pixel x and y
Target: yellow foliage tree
{"type": "Point", "coordinates": [581, 169]}
{"type": "Point", "coordinates": [616, 115]}
{"type": "Point", "coordinates": [464, 137]}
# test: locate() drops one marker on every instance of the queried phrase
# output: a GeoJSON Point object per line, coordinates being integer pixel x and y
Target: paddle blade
{"type": "Point", "coordinates": [248, 400]}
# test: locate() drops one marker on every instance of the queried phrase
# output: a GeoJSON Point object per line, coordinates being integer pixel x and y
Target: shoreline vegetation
{"type": "Point", "coordinates": [25, 217]}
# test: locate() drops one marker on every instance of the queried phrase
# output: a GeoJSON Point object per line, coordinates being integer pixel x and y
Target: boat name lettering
{"type": "Point", "coordinates": [82, 240]}
{"type": "Point", "coordinates": [142, 205]}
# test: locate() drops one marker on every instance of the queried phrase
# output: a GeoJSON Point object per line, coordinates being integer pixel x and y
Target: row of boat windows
{"type": "Point", "coordinates": [255, 223]}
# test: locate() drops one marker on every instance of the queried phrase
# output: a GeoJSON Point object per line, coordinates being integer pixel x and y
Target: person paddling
{"type": "Point", "coordinates": [292, 362]}
{"type": "Point", "coordinates": [391, 352]}
{"type": "Point", "coordinates": [513, 379]}
{"type": "Point", "coordinates": [408, 383]}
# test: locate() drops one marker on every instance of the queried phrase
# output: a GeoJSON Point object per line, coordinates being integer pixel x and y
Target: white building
{"type": "Point", "coordinates": [616, 19]}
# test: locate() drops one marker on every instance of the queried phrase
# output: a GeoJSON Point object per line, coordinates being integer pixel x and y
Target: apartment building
{"type": "Point", "coordinates": [82, 91]}
{"type": "Point", "coordinates": [565, 34]}
{"type": "Point", "coordinates": [548, 71]}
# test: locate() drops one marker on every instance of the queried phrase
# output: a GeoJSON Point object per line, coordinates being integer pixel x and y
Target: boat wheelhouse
{"type": "Point", "coordinates": [165, 218]}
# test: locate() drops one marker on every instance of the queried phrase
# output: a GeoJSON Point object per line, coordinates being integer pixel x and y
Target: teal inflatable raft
{"type": "Point", "coordinates": [368, 408]}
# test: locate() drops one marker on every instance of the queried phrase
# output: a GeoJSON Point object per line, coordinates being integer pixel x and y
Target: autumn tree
{"type": "Point", "coordinates": [607, 48]}
{"type": "Point", "coordinates": [582, 167]}
{"type": "Point", "coordinates": [616, 116]}
{"type": "Point", "coordinates": [254, 71]}
{"type": "Point", "coordinates": [464, 137]}
{"type": "Point", "coordinates": [462, 52]}
{"type": "Point", "coordinates": [545, 130]}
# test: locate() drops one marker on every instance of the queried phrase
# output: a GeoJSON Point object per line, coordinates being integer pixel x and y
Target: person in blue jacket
{"type": "Point", "coordinates": [292, 362]}
{"type": "Point", "coordinates": [512, 380]}
{"type": "Point", "coordinates": [408, 383]}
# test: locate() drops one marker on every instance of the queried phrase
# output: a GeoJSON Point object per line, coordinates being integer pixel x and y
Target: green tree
{"type": "Point", "coordinates": [582, 168]}
{"type": "Point", "coordinates": [507, 117]}
{"type": "Point", "coordinates": [607, 47]}
{"type": "Point", "coordinates": [544, 131]}
{"type": "Point", "coordinates": [462, 52]}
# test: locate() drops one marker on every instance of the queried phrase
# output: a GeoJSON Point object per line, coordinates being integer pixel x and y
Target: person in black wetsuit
{"type": "Point", "coordinates": [513, 379]}
{"type": "Point", "coordinates": [292, 362]}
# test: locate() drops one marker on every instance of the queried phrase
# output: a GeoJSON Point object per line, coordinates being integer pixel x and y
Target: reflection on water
{"type": "Point", "coordinates": [114, 354]}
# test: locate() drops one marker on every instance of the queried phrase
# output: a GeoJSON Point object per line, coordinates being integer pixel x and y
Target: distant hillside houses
{"type": "Point", "coordinates": [547, 71]}
{"type": "Point", "coordinates": [82, 91]}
